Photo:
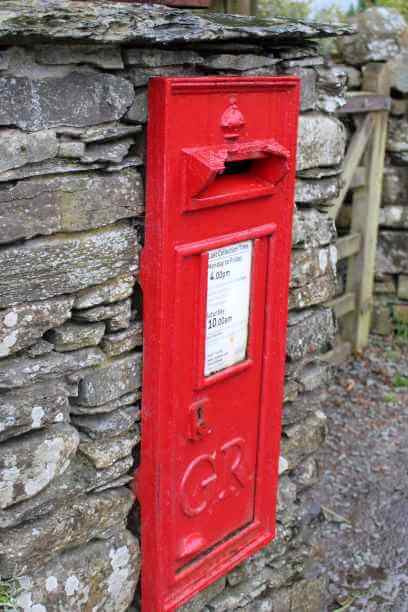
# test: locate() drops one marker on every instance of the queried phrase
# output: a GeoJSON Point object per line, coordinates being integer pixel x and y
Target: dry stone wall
{"type": "Point", "coordinates": [72, 148]}
{"type": "Point", "coordinates": [383, 37]}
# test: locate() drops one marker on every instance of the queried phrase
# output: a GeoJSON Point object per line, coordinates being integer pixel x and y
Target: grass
{"type": "Point", "coordinates": [7, 589]}
{"type": "Point", "coordinates": [400, 382]}
{"type": "Point", "coordinates": [401, 331]}
{"type": "Point", "coordinates": [345, 605]}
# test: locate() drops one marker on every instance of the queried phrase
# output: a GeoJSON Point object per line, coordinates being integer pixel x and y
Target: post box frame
{"type": "Point", "coordinates": [163, 588]}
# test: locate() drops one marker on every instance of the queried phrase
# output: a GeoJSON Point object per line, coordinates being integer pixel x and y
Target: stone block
{"type": "Point", "coordinates": [153, 25]}
{"type": "Point", "coordinates": [18, 148]}
{"type": "Point", "coordinates": [387, 285]}
{"type": "Point", "coordinates": [235, 598]}
{"type": "Point", "coordinates": [314, 376]}
{"type": "Point", "coordinates": [397, 136]}
{"type": "Point", "coordinates": [41, 347]}
{"type": "Point", "coordinates": [392, 253]}
{"type": "Point", "coordinates": [303, 439]}
{"type": "Point", "coordinates": [102, 56]}
{"type": "Point", "coordinates": [330, 103]}
{"type": "Point", "coordinates": [265, 71]}
{"type": "Point", "coordinates": [138, 111]}
{"type": "Point", "coordinates": [48, 167]}
{"type": "Point", "coordinates": [321, 141]}
{"type": "Point", "coordinates": [71, 149]}
{"type": "Point", "coordinates": [398, 107]}
{"type": "Point", "coordinates": [29, 464]}
{"type": "Point", "coordinates": [105, 452]}
{"type": "Point", "coordinates": [121, 376]}
{"type": "Point", "coordinates": [312, 229]}
{"type": "Point", "coordinates": [394, 216]}
{"type": "Point", "coordinates": [68, 203]}
{"type": "Point", "coordinates": [331, 87]}
{"type": "Point", "coordinates": [100, 575]}
{"type": "Point", "coordinates": [78, 99]}
{"type": "Point", "coordinates": [310, 334]}
{"type": "Point", "coordinates": [32, 407]}
{"type": "Point", "coordinates": [379, 36]}
{"type": "Point", "coordinates": [74, 336]}
{"type": "Point", "coordinates": [400, 313]}
{"type": "Point", "coordinates": [353, 76]}
{"type": "Point", "coordinates": [395, 186]}
{"type": "Point", "coordinates": [308, 90]}
{"type": "Point", "coordinates": [306, 61]}
{"type": "Point", "coordinates": [20, 371]}
{"type": "Point", "coordinates": [320, 172]}
{"type": "Point", "coordinates": [307, 265]}
{"type": "Point", "coordinates": [29, 547]}
{"type": "Point", "coordinates": [140, 75]}
{"type": "Point", "coordinates": [22, 325]}
{"type": "Point", "coordinates": [399, 72]}
{"type": "Point", "coordinates": [237, 63]}
{"type": "Point", "coordinates": [79, 478]}
{"type": "Point", "coordinates": [306, 474]}
{"type": "Point", "coordinates": [104, 133]}
{"type": "Point", "coordinates": [124, 400]}
{"type": "Point", "coordinates": [115, 290]}
{"type": "Point", "coordinates": [119, 321]}
{"type": "Point", "coordinates": [286, 512]}
{"type": "Point", "coordinates": [109, 424]}
{"type": "Point", "coordinates": [382, 321]}
{"type": "Point", "coordinates": [43, 268]}
{"type": "Point", "coordinates": [295, 51]}
{"type": "Point", "coordinates": [197, 604]}
{"type": "Point", "coordinates": [399, 158]}
{"type": "Point", "coordinates": [301, 407]}
{"type": "Point", "coordinates": [317, 291]}
{"type": "Point", "coordinates": [113, 152]}
{"type": "Point", "coordinates": [124, 341]}
{"type": "Point", "coordinates": [310, 192]}
{"type": "Point", "coordinates": [155, 58]}
{"type": "Point", "coordinates": [118, 312]}
{"type": "Point", "coordinates": [403, 287]}
{"type": "Point", "coordinates": [4, 59]}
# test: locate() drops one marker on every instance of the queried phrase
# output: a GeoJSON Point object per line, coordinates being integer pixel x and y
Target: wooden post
{"type": "Point", "coordinates": [236, 7]}
{"type": "Point", "coordinates": [365, 217]}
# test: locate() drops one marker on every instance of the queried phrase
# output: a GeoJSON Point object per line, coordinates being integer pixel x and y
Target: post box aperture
{"type": "Point", "coordinates": [215, 271]}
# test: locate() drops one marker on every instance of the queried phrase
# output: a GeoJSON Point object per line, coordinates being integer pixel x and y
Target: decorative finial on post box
{"type": "Point", "coordinates": [232, 120]}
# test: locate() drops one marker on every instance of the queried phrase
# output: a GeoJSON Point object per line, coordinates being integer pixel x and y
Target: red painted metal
{"type": "Point", "coordinates": [221, 167]}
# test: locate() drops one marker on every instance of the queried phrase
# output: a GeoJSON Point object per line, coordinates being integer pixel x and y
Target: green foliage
{"type": "Point", "coordinates": [333, 14]}
{"type": "Point", "coordinates": [7, 589]}
{"type": "Point", "coordinates": [362, 5]}
{"type": "Point", "coordinates": [293, 9]}
{"type": "Point", "coordinates": [401, 331]}
{"type": "Point", "coordinates": [301, 9]}
{"type": "Point", "coordinates": [400, 382]}
{"type": "Point", "coordinates": [400, 5]}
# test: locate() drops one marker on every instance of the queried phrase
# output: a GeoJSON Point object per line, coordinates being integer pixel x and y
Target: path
{"type": "Point", "coordinates": [363, 543]}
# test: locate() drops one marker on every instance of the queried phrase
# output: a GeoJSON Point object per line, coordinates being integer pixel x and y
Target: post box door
{"type": "Point", "coordinates": [215, 278]}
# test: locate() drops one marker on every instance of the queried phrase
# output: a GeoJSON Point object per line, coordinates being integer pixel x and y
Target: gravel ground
{"type": "Point", "coordinates": [362, 544]}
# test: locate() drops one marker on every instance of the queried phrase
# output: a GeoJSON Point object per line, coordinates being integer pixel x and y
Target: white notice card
{"type": "Point", "coordinates": [228, 297]}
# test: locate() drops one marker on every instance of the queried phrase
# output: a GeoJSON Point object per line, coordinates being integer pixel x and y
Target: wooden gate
{"type": "Point", "coordinates": [363, 176]}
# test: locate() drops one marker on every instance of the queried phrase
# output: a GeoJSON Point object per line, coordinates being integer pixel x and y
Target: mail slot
{"type": "Point", "coordinates": [214, 274]}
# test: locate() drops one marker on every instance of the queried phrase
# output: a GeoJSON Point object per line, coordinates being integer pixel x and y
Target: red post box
{"type": "Point", "coordinates": [214, 273]}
